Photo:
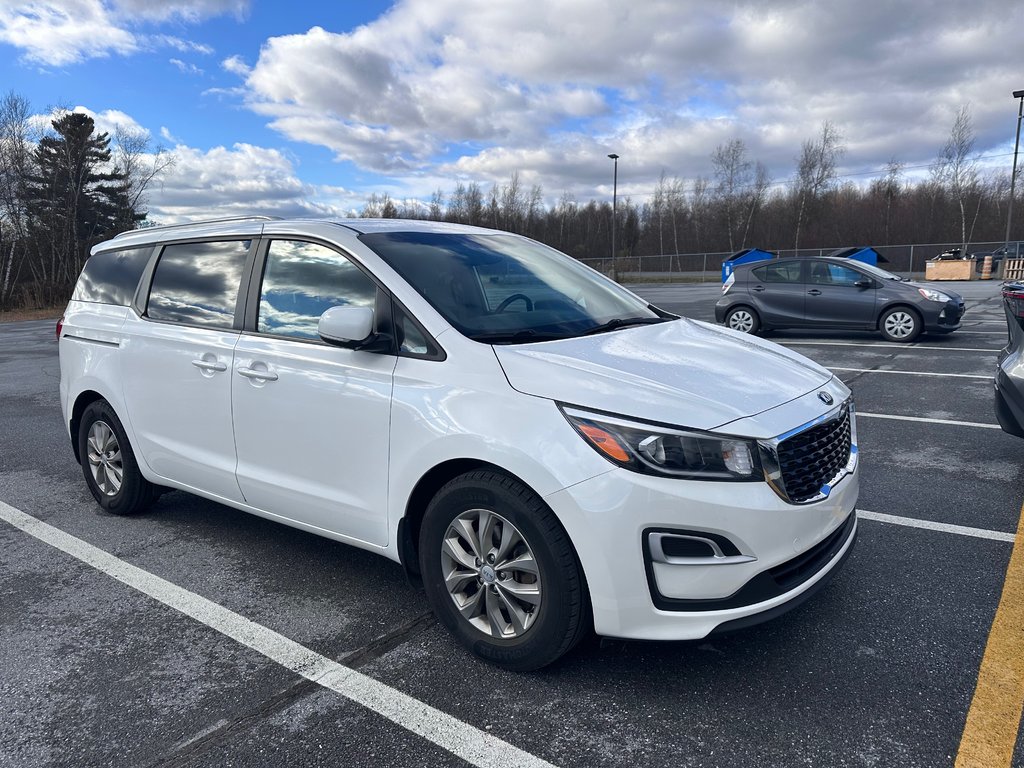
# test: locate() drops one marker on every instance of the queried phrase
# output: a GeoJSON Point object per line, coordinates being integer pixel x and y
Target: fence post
{"type": "Point", "coordinates": [704, 269]}
{"type": "Point", "coordinates": [911, 269]}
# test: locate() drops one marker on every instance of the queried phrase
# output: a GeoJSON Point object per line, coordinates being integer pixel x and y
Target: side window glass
{"type": "Point", "coordinates": [786, 272]}
{"type": "Point", "coordinates": [111, 277]}
{"type": "Point", "coordinates": [197, 283]}
{"type": "Point", "coordinates": [301, 281]}
{"type": "Point", "coordinates": [412, 340]}
{"type": "Point", "coordinates": [823, 273]}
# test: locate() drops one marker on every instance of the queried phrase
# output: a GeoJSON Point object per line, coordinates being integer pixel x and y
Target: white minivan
{"type": "Point", "coordinates": [544, 451]}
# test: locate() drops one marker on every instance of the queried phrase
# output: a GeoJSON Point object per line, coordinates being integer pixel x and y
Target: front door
{"type": "Point", "coordinates": [312, 420]}
{"type": "Point", "coordinates": [835, 299]}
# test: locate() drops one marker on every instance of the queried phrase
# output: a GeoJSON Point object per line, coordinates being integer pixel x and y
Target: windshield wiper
{"type": "Point", "coordinates": [622, 322]}
{"type": "Point", "coordinates": [523, 336]}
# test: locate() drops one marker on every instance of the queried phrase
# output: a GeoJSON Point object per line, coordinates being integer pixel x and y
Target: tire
{"type": "Point", "coordinates": [539, 614]}
{"type": "Point", "coordinates": [109, 465]}
{"type": "Point", "coordinates": [900, 324]}
{"type": "Point", "coordinates": [743, 319]}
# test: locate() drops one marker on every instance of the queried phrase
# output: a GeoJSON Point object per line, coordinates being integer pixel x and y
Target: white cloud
{"type": "Point", "coordinates": [478, 90]}
{"type": "Point", "coordinates": [241, 180]}
{"type": "Point", "coordinates": [63, 32]}
{"type": "Point", "coordinates": [108, 121]}
{"type": "Point", "coordinates": [186, 67]}
{"type": "Point", "coordinates": [236, 65]}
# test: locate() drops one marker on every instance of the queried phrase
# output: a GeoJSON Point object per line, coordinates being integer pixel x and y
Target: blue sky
{"type": "Point", "coordinates": [308, 107]}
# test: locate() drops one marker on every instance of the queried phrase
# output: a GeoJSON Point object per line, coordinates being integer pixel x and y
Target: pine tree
{"type": "Point", "coordinates": [74, 199]}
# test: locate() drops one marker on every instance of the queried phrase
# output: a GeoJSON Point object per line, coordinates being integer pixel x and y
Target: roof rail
{"type": "Point", "coordinates": [199, 223]}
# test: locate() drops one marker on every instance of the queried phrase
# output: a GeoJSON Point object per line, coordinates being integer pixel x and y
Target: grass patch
{"type": "Point", "coordinates": [20, 315]}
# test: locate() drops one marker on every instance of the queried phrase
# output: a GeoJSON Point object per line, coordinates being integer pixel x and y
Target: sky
{"type": "Point", "coordinates": [306, 108]}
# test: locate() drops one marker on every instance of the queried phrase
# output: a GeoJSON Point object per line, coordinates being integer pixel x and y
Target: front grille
{"type": "Point", "coordinates": [812, 458]}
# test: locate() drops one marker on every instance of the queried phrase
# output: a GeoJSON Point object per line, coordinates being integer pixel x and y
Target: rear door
{"type": "Point", "coordinates": [835, 299]}
{"type": "Point", "coordinates": [312, 421]}
{"type": "Point", "coordinates": [177, 364]}
{"type": "Point", "coordinates": [778, 292]}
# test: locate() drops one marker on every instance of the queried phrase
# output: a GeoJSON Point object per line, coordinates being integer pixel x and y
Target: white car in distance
{"type": "Point", "coordinates": [546, 452]}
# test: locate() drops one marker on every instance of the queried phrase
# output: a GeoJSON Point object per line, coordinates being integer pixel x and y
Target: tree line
{"type": "Point", "coordinates": [738, 205]}
{"type": "Point", "coordinates": [63, 188]}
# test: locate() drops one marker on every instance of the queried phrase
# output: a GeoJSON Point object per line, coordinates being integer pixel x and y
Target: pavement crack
{"type": "Point", "coordinates": [185, 752]}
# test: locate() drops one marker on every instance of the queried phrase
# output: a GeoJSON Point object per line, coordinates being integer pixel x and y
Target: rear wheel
{"type": "Point", "coordinates": [500, 572]}
{"type": "Point", "coordinates": [900, 324]}
{"type": "Point", "coordinates": [109, 465]}
{"type": "Point", "coordinates": [743, 319]}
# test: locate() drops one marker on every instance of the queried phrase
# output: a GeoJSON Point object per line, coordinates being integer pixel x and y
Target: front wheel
{"type": "Point", "coordinates": [743, 319]}
{"type": "Point", "coordinates": [500, 572]}
{"type": "Point", "coordinates": [900, 324]}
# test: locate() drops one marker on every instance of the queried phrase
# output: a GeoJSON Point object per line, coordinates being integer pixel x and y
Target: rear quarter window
{"type": "Point", "coordinates": [111, 277]}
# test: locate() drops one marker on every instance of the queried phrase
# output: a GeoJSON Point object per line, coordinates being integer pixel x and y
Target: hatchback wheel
{"type": "Point", "coordinates": [743, 319]}
{"type": "Point", "coordinates": [109, 464]}
{"type": "Point", "coordinates": [900, 324]}
{"type": "Point", "coordinates": [500, 572]}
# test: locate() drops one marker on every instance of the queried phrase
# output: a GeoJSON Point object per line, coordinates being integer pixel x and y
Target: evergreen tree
{"type": "Point", "coordinates": [74, 198]}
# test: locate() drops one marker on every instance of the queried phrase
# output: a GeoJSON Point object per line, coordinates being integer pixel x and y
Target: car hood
{"type": "Point", "coordinates": [682, 372]}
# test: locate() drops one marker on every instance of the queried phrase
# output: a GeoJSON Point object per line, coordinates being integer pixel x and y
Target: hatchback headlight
{"type": "Point", "coordinates": [933, 295]}
{"type": "Point", "coordinates": [656, 450]}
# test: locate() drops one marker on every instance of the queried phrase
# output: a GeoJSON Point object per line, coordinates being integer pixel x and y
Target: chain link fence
{"type": "Point", "coordinates": [906, 260]}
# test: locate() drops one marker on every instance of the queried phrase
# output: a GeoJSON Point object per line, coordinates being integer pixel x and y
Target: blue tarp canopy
{"type": "Point", "coordinates": [862, 253]}
{"type": "Point", "coordinates": [745, 256]}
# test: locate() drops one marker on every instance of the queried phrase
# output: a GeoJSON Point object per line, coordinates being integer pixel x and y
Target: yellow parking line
{"type": "Point", "coordinates": [994, 717]}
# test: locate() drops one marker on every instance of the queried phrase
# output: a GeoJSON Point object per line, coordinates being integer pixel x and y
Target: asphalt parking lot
{"type": "Point", "coordinates": [880, 669]}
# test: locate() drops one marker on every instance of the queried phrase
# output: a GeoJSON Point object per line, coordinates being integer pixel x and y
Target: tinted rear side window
{"type": "Point", "coordinates": [786, 272]}
{"type": "Point", "coordinates": [111, 277]}
{"type": "Point", "coordinates": [197, 283]}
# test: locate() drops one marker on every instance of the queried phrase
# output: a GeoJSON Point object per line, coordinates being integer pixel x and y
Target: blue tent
{"type": "Point", "coordinates": [745, 256]}
{"type": "Point", "coordinates": [860, 253]}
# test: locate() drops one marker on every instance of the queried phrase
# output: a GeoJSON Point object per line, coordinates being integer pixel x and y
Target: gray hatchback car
{"type": "Point", "coordinates": [834, 293]}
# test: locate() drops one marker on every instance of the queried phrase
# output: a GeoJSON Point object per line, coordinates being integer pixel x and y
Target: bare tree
{"type": "Point", "coordinates": [734, 174]}
{"type": "Point", "coordinates": [140, 166]}
{"type": "Point", "coordinates": [816, 171]}
{"type": "Point", "coordinates": [15, 167]}
{"type": "Point", "coordinates": [755, 196]}
{"type": "Point", "coordinates": [956, 167]}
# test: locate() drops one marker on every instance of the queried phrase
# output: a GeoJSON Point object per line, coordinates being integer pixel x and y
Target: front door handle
{"type": "Point", "coordinates": [210, 365]}
{"type": "Point", "coordinates": [254, 373]}
{"type": "Point", "coordinates": [814, 292]}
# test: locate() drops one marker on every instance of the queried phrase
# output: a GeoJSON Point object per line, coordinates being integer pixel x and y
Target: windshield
{"type": "Point", "coordinates": [877, 272]}
{"type": "Point", "coordinates": [507, 289]}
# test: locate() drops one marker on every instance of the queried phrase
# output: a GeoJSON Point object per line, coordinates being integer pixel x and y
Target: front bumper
{"type": "Point", "coordinates": [785, 551]}
{"type": "Point", "coordinates": [943, 317]}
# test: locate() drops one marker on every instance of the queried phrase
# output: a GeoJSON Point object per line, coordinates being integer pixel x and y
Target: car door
{"type": "Point", "coordinates": [835, 298]}
{"type": "Point", "coordinates": [176, 364]}
{"type": "Point", "coordinates": [778, 292]}
{"type": "Point", "coordinates": [311, 420]}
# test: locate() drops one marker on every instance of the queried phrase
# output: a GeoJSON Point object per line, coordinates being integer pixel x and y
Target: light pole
{"type": "Point", "coordinates": [1013, 175]}
{"type": "Point", "coordinates": [614, 200]}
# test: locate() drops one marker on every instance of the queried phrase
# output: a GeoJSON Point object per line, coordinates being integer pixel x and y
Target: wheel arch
{"type": "Point", "coordinates": [84, 399]}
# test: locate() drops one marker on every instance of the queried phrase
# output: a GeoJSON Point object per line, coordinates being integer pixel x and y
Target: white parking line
{"type": "Point", "coordinates": [982, 425]}
{"type": "Point", "coordinates": [912, 373]}
{"type": "Point", "coordinates": [884, 346]}
{"type": "Point", "coordinates": [911, 522]}
{"type": "Point", "coordinates": [461, 739]}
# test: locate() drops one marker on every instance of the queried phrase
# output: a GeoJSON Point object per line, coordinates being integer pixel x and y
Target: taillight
{"type": "Point", "coordinates": [60, 325]}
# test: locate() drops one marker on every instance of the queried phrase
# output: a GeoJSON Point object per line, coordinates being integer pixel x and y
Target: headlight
{"type": "Point", "coordinates": [667, 452]}
{"type": "Point", "coordinates": [931, 295]}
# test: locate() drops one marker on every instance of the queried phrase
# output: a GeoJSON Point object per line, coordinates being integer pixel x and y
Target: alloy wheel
{"type": "Point", "coordinates": [104, 458]}
{"type": "Point", "coordinates": [491, 574]}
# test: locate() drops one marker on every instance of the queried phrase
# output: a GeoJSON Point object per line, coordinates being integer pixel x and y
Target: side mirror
{"type": "Point", "coordinates": [346, 326]}
{"type": "Point", "coordinates": [865, 283]}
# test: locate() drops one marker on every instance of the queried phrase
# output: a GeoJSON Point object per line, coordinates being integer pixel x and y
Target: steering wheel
{"type": "Point", "coordinates": [515, 297]}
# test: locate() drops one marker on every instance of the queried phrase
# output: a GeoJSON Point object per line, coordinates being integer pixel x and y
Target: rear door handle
{"type": "Point", "coordinates": [209, 365]}
{"type": "Point", "coordinates": [814, 292]}
{"type": "Point", "coordinates": [254, 373]}
{"type": "Point", "coordinates": [758, 288]}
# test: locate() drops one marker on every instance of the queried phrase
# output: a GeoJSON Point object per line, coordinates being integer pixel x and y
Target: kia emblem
{"type": "Point", "coordinates": [825, 397]}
